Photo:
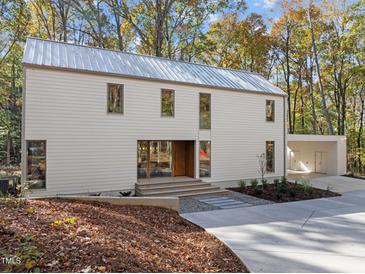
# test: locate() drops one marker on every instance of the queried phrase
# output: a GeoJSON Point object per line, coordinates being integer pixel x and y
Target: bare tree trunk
{"type": "Point", "coordinates": [159, 28]}
{"type": "Point", "coordinates": [287, 73]}
{"type": "Point", "coordinates": [115, 7]}
{"type": "Point", "coordinates": [63, 9]}
{"type": "Point", "coordinates": [294, 110]}
{"type": "Point", "coordinates": [321, 90]}
{"type": "Point", "coordinates": [302, 111]}
{"type": "Point", "coordinates": [311, 96]}
{"type": "Point", "coordinates": [361, 128]}
{"type": "Point", "coordinates": [8, 148]}
{"type": "Point", "coordinates": [343, 112]}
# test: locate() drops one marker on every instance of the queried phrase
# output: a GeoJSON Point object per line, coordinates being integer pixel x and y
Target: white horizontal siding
{"type": "Point", "coordinates": [240, 134]}
{"type": "Point", "coordinates": [91, 150]}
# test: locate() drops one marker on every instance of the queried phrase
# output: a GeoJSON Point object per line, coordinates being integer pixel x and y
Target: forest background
{"type": "Point", "coordinates": [314, 51]}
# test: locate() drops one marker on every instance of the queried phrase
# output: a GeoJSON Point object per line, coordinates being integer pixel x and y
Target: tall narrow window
{"type": "Point", "coordinates": [36, 164]}
{"type": "Point", "coordinates": [115, 98]}
{"type": "Point", "coordinates": [270, 110]}
{"type": "Point", "coordinates": [167, 102]}
{"type": "Point", "coordinates": [204, 103]}
{"type": "Point", "coordinates": [270, 156]}
{"type": "Point", "coordinates": [204, 159]}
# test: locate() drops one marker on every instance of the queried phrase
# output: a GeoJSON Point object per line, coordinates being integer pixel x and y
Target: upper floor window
{"type": "Point", "coordinates": [270, 156]}
{"type": "Point", "coordinates": [270, 110]}
{"type": "Point", "coordinates": [167, 102]}
{"type": "Point", "coordinates": [204, 102]}
{"type": "Point", "coordinates": [115, 98]}
{"type": "Point", "coordinates": [36, 163]}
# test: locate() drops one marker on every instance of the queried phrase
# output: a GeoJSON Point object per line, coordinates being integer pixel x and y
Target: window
{"type": "Point", "coordinates": [167, 102]}
{"type": "Point", "coordinates": [270, 156]}
{"type": "Point", "coordinates": [204, 159]}
{"type": "Point", "coordinates": [204, 102]}
{"type": "Point", "coordinates": [36, 164]}
{"type": "Point", "coordinates": [270, 110]}
{"type": "Point", "coordinates": [115, 98]}
{"type": "Point", "coordinates": [154, 159]}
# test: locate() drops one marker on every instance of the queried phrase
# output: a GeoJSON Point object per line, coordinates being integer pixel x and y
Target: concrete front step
{"type": "Point", "coordinates": [199, 193]}
{"type": "Point", "coordinates": [172, 186]}
{"type": "Point", "coordinates": [175, 187]}
{"type": "Point", "coordinates": [184, 192]}
{"type": "Point", "coordinates": [178, 182]}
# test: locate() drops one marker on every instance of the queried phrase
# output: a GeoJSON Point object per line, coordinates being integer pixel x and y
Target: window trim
{"type": "Point", "coordinates": [210, 111]}
{"type": "Point", "coordinates": [173, 103]}
{"type": "Point", "coordinates": [107, 99]}
{"type": "Point", "coordinates": [27, 166]}
{"type": "Point", "coordinates": [273, 112]}
{"type": "Point", "coordinates": [273, 158]}
{"type": "Point", "coordinates": [210, 158]}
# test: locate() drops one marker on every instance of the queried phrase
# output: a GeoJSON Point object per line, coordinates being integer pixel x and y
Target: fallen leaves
{"type": "Point", "coordinates": [108, 238]}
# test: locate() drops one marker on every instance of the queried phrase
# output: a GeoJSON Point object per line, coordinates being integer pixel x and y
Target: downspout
{"type": "Point", "coordinates": [285, 138]}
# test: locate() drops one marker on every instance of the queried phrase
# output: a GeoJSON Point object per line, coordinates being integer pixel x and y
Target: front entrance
{"type": "Point", "coordinates": [165, 159]}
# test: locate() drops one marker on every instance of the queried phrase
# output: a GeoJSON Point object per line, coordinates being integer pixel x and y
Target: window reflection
{"type": "Point", "coordinates": [204, 159]}
{"type": "Point", "coordinates": [270, 110]}
{"type": "Point", "coordinates": [204, 105]}
{"type": "Point", "coordinates": [36, 164]}
{"type": "Point", "coordinates": [167, 102]}
{"type": "Point", "coordinates": [270, 156]}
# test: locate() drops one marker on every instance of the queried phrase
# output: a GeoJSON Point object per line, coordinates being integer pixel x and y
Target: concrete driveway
{"type": "Point", "coordinates": [322, 235]}
{"type": "Point", "coordinates": [340, 184]}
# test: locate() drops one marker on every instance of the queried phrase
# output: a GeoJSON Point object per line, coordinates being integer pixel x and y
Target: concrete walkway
{"type": "Point", "coordinates": [323, 235]}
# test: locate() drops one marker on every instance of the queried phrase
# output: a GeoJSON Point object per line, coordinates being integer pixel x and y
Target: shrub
{"type": "Point", "coordinates": [307, 187]}
{"type": "Point", "coordinates": [242, 184]}
{"type": "Point", "coordinates": [284, 180]}
{"type": "Point", "coordinates": [264, 184]}
{"type": "Point", "coordinates": [254, 184]}
{"type": "Point", "coordinates": [279, 195]}
{"type": "Point", "coordinates": [258, 191]}
{"type": "Point", "coordinates": [292, 193]}
{"type": "Point", "coordinates": [276, 182]}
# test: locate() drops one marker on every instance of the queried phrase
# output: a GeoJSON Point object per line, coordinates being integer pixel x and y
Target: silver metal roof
{"type": "Point", "coordinates": [61, 55]}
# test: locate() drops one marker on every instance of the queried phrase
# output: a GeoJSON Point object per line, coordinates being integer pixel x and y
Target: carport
{"type": "Point", "coordinates": [321, 154]}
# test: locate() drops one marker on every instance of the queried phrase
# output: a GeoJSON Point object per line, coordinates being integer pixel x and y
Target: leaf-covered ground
{"type": "Point", "coordinates": [70, 236]}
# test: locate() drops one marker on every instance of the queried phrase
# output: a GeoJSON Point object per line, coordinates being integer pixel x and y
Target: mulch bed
{"type": "Point", "coordinates": [294, 192]}
{"type": "Point", "coordinates": [71, 236]}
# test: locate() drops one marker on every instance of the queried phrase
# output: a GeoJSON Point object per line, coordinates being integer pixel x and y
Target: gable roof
{"type": "Point", "coordinates": [47, 53]}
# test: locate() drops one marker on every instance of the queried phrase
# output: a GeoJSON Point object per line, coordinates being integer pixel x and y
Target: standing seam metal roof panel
{"type": "Point", "coordinates": [77, 57]}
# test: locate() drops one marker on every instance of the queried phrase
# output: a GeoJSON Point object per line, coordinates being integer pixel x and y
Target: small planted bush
{"type": "Point", "coordinates": [242, 184]}
{"type": "Point", "coordinates": [254, 184]}
{"type": "Point", "coordinates": [292, 193]}
{"type": "Point", "coordinates": [256, 187]}
{"type": "Point", "coordinates": [264, 183]}
{"type": "Point", "coordinates": [307, 187]}
{"type": "Point", "coordinates": [278, 195]}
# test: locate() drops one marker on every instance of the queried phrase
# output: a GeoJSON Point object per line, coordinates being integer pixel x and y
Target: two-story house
{"type": "Point", "coordinates": [101, 120]}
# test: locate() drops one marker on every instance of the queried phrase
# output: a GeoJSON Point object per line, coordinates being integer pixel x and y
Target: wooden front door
{"type": "Point", "coordinates": [179, 158]}
{"type": "Point", "coordinates": [183, 153]}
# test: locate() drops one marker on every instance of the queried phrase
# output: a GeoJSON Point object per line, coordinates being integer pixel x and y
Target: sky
{"type": "Point", "coordinates": [270, 9]}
